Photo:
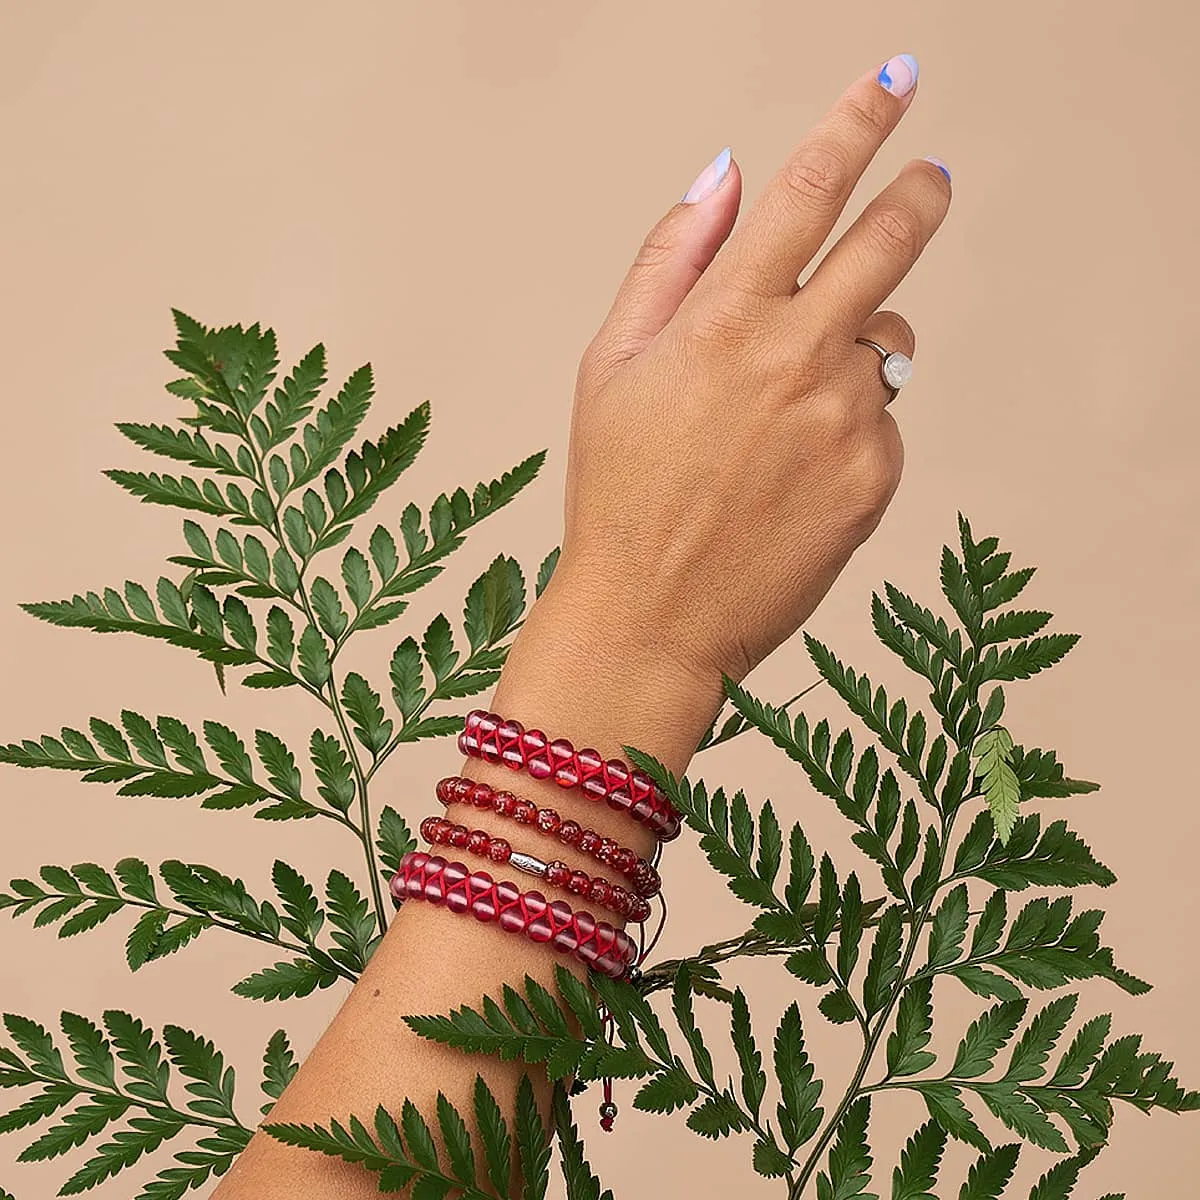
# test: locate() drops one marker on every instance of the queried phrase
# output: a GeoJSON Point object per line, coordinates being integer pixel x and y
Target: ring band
{"type": "Point", "coordinates": [895, 368]}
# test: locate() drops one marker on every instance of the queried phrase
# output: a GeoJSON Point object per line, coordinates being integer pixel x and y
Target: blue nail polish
{"type": "Point", "coordinates": [937, 162]}
{"type": "Point", "coordinates": [898, 75]}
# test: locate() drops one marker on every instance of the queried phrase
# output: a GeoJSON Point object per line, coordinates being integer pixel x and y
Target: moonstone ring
{"type": "Point", "coordinates": [896, 368]}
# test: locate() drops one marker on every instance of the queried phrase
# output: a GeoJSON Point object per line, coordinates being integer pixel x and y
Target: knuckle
{"type": "Point", "coordinates": [896, 230]}
{"type": "Point", "coordinates": [657, 248]}
{"type": "Point", "coordinates": [816, 176]}
{"type": "Point", "coordinates": [874, 477]}
{"type": "Point", "coordinates": [729, 323]}
{"type": "Point", "coordinates": [867, 113]}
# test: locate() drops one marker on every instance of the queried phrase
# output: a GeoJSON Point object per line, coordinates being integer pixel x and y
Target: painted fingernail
{"type": "Point", "coordinates": [899, 74]}
{"type": "Point", "coordinates": [709, 179]}
{"type": "Point", "coordinates": [937, 162]}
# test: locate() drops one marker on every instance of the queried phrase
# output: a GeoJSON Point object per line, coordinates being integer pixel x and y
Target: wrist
{"type": "Point", "coordinates": [602, 678]}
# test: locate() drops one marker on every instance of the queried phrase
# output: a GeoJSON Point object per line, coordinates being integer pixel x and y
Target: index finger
{"type": "Point", "coordinates": [800, 206]}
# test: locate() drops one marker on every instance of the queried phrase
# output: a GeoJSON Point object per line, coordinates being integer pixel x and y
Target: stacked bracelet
{"type": "Point", "coordinates": [488, 736]}
{"type": "Point", "coordinates": [643, 878]}
{"type": "Point", "coordinates": [440, 832]}
{"type": "Point", "coordinates": [602, 947]}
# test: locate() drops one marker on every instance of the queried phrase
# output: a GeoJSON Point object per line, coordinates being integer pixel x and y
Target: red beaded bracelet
{"type": "Point", "coordinates": [458, 789]}
{"type": "Point", "coordinates": [440, 832]}
{"type": "Point", "coordinates": [489, 736]}
{"type": "Point", "coordinates": [598, 944]}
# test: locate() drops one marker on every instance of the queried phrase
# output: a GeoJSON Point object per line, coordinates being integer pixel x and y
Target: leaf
{"type": "Point", "coordinates": [1001, 786]}
{"type": "Point", "coordinates": [916, 1176]}
{"type": "Point", "coordinates": [716, 1117]}
{"type": "Point", "coordinates": [754, 1079]}
{"type": "Point", "coordinates": [394, 839]}
{"type": "Point", "coordinates": [533, 1143]}
{"type": "Point", "coordinates": [988, 1034]}
{"type": "Point", "coordinates": [279, 1067]}
{"type": "Point", "coordinates": [494, 603]}
{"type": "Point", "coordinates": [883, 969]}
{"type": "Point", "coordinates": [284, 980]}
{"type": "Point", "coordinates": [949, 928]}
{"type": "Point", "coordinates": [798, 1112]}
{"type": "Point", "coordinates": [906, 1053]}
{"type": "Point", "coordinates": [1060, 1180]}
{"type": "Point", "coordinates": [493, 1132]}
{"type": "Point", "coordinates": [990, 1173]}
{"type": "Point", "coordinates": [849, 1167]}
{"type": "Point", "coordinates": [365, 709]}
{"type": "Point", "coordinates": [581, 1181]}
{"type": "Point", "coordinates": [669, 1090]}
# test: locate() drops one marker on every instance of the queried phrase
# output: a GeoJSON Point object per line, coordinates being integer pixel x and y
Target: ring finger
{"type": "Point", "coordinates": [864, 266]}
{"type": "Point", "coordinates": [894, 334]}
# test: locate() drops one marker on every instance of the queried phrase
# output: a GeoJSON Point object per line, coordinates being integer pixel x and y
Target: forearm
{"type": "Point", "coordinates": [572, 672]}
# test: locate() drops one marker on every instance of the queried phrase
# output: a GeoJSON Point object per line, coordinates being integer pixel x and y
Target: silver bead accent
{"type": "Point", "coordinates": [528, 863]}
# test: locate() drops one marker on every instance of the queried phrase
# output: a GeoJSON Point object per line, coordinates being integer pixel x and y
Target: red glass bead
{"type": "Point", "coordinates": [480, 795]}
{"type": "Point", "coordinates": [548, 821]}
{"type": "Point", "coordinates": [499, 851]}
{"type": "Point", "coordinates": [569, 832]}
{"type": "Point", "coordinates": [579, 883]}
{"type": "Point", "coordinates": [588, 841]}
{"type": "Point", "coordinates": [639, 910]}
{"type": "Point", "coordinates": [539, 930]}
{"type": "Point", "coordinates": [483, 907]}
{"type": "Point", "coordinates": [642, 810]}
{"type": "Point", "coordinates": [620, 799]}
{"type": "Point", "coordinates": [557, 873]}
{"type": "Point", "coordinates": [524, 811]}
{"type": "Point", "coordinates": [624, 860]}
{"type": "Point", "coordinates": [478, 842]}
{"type": "Point", "coordinates": [454, 872]}
{"type": "Point", "coordinates": [561, 752]}
{"type": "Point", "coordinates": [504, 803]}
{"type": "Point", "coordinates": [427, 828]}
{"type": "Point", "coordinates": [459, 836]}
{"type": "Point", "coordinates": [600, 891]}
{"type": "Point", "coordinates": [616, 774]}
{"type": "Point", "coordinates": [605, 851]}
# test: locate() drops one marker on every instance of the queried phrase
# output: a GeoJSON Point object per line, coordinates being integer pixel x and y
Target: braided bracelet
{"type": "Point", "coordinates": [598, 944]}
{"type": "Point", "coordinates": [440, 832]}
{"type": "Point", "coordinates": [489, 736]}
{"type": "Point", "coordinates": [642, 877]}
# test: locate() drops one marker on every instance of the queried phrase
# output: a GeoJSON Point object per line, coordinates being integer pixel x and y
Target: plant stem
{"type": "Point", "coordinates": [333, 703]}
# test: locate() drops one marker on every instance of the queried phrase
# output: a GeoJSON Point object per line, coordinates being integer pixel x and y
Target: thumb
{"type": "Point", "coordinates": [673, 256]}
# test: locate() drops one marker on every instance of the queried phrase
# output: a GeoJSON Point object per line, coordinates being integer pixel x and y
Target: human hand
{"type": "Point", "coordinates": [730, 445]}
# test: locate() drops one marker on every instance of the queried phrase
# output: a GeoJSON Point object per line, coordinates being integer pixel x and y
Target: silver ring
{"type": "Point", "coordinates": [896, 368]}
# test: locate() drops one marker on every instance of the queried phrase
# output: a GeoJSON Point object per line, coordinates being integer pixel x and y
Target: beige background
{"type": "Point", "coordinates": [453, 190]}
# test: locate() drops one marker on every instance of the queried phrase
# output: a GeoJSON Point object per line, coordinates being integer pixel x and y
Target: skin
{"type": "Point", "coordinates": [730, 449]}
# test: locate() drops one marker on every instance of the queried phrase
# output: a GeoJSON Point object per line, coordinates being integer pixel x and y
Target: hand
{"type": "Point", "coordinates": [730, 445]}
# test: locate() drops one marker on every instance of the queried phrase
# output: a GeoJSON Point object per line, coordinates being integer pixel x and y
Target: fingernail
{"type": "Point", "coordinates": [937, 162]}
{"type": "Point", "coordinates": [899, 74]}
{"type": "Point", "coordinates": [709, 179]}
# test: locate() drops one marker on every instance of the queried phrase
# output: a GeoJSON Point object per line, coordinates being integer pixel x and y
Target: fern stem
{"type": "Point", "coordinates": [332, 703]}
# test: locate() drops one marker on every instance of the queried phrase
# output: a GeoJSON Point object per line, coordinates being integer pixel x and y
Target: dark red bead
{"type": "Point", "coordinates": [642, 810]}
{"type": "Point", "coordinates": [499, 851]}
{"type": "Point", "coordinates": [579, 883]}
{"type": "Point", "coordinates": [557, 873]}
{"type": "Point", "coordinates": [606, 850]}
{"type": "Point", "coordinates": [624, 860]}
{"type": "Point", "coordinates": [539, 929]}
{"type": "Point", "coordinates": [616, 773]}
{"type": "Point", "coordinates": [569, 832]}
{"type": "Point", "coordinates": [427, 828]}
{"type": "Point", "coordinates": [639, 910]}
{"type": "Point", "coordinates": [459, 836]}
{"type": "Point", "coordinates": [480, 795]}
{"type": "Point", "coordinates": [478, 842]}
{"type": "Point", "coordinates": [453, 872]}
{"type": "Point", "coordinates": [548, 821]}
{"type": "Point", "coordinates": [620, 799]}
{"type": "Point", "coordinates": [601, 892]}
{"type": "Point", "coordinates": [503, 803]}
{"type": "Point", "coordinates": [524, 811]}
{"type": "Point", "coordinates": [588, 841]}
{"type": "Point", "coordinates": [483, 907]}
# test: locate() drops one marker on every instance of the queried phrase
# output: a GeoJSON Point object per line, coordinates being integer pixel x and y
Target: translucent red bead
{"type": "Point", "coordinates": [643, 879]}
{"type": "Point", "coordinates": [488, 736]}
{"type": "Point", "coordinates": [602, 947]}
{"type": "Point", "coordinates": [477, 841]}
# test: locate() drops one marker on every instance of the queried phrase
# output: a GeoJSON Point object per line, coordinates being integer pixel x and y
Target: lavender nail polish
{"type": "Point", "coordinates": [709, 179]}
